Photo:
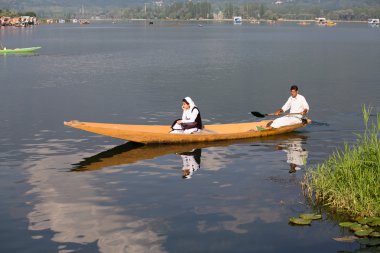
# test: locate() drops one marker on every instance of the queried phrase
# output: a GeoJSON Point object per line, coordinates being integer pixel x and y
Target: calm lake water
{"type": "Point", "coordinates": [65, 190]}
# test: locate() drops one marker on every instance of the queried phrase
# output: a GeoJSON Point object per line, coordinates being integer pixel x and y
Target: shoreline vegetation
{"type": "Point", "coordinates": [245, 21]}
{"type": "Point", "coordinates": [203, 11]}
{"type": "Point", "coordinates": [23, 21]}
{"type": "Point", "coordinates": [348, 181]}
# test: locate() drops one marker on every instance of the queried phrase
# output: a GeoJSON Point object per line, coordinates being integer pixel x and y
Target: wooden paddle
{"type": "Point", "coordinates": [260, 115]}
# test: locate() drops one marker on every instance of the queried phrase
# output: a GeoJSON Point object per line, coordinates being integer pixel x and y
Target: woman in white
{"type": "Point", "coordinates": [298, 108]}
{"type": "Point", "coordinates": [191, 118]}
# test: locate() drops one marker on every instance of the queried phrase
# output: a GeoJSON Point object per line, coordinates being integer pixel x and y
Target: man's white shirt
{"type": "Point", "coordinates": [296, 105]}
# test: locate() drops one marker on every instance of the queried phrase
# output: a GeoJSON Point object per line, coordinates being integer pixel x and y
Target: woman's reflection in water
{"type": "Point", "coordinates": [295, 153]}
{"type": "Point", "coordinates": [191, 162]}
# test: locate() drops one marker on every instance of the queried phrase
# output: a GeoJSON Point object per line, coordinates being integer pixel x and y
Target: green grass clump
{"type": "Point", "coordinates": [349, 180]}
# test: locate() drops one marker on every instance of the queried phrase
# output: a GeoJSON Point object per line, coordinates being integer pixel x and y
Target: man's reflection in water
{"type": "Point", "coordinates": [191, 162]}
{"type": "Point", "coordinates": [296, 155]}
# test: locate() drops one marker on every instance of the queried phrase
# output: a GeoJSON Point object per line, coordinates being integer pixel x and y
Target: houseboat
{"type": "Point", "coordinates": [321, 21]}
{"type": "Point", "coordinates": [324, 22]}
{"type": "Point", "coordinates": [237, 20]}
{"type": "Point", "coordinates": [374, 21]}
{"type": "Point", "coordinates": [84, 22]}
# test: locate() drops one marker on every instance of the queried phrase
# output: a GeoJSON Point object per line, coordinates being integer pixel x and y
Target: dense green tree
{"type": "Point", "coordinates": [262, 10]}
{"type": "Point", "coordinates": [269, 14]}
{"type": "Point", "coordinates": [29, 13]}
{"type": "Point", "coordinates": [228, 10]}
{"type": "Point", "coordinates": [316, 11]}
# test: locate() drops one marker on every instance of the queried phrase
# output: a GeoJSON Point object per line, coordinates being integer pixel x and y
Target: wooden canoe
{"type": "Point", "coordinates": [149, 134]}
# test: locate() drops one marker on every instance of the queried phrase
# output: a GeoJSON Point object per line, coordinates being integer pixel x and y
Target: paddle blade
{"type": "Point", "coordinates": [257, 114]}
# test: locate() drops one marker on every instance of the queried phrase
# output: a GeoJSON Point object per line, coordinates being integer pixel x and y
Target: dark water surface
{"type": "Point", "coordinates": [64, 190]}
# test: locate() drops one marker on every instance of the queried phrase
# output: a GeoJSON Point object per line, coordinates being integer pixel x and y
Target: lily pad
{"type": "Point", "coordinates": [356, 226]}
{"type": "Point", "coordinates": [369, 241]}
{"type": "Point", "coordinates": [310, 216]}
{"type": "Point", "coordinates": [365, 220]}
{"type": "Point", "coordinates": [348, 238]}
{"type": "Point", "coordinates": [375, 234]}
{"type": "Point", "coordinates": [299, 221]}
{"type": "Point", "coordinates": [363, 233]}
{"type": "Point", "coordinates": [346, 224]}
{"type": "Point", "coordinates": [375, 222]}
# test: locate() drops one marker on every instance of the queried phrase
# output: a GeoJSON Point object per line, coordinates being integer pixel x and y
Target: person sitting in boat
{"type": "Point", "coordinates": [298, 107]}
{"type": "Point", "coordinates": [191, 118]}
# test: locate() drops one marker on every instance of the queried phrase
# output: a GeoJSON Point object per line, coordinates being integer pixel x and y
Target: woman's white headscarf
{"type": "Point", "coordinates": [191, 103]}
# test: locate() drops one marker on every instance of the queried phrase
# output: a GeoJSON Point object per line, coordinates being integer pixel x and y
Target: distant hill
{"type": "Point", "coordinates": [22, 4]}
{"type": "Point", "coordinates": [87, 8]}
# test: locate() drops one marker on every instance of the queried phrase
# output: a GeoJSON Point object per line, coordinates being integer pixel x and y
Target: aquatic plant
{"type": "Point", "coordinates": [349, 180]}
{"type": "Point", "coordinates": [299, 221]}
{"type": "Point", "coordinates": [364, 227]}
{"type": "Point", "coordinates": [304, 219]}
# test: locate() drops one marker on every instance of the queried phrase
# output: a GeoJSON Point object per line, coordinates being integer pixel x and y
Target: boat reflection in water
{"type": "Point", "coordinates": [295, 153]}
{"type": "Point", "coordinates": [132, 152]}
{"type": "Point", "coordinates": [191, 162]}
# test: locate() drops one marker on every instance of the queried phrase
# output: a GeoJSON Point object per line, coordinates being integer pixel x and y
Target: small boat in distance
{"type": "Point", "coordinates": [255, 21]}
{"type": "Point", "coordinates": [374, 21]}
{"type": "Point", "coordinates": [324, 22]}
{"type": "Point", "coordinates": [153, 134]}
{"type": "Point", "coordinates": [18, 50]}
{"type": "Point", "coordinates": [321, 21]}
{"type": "Point", "coordinates": [84, 22]}
{"type": "Point", "coordinates": [238, 20]}
{"type": "Point", "coordinates": [330, 23]}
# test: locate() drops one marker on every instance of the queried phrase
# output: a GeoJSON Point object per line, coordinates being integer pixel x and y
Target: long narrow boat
{"type": "Point", "coordinates": [149, 134]}
{"type": "Point", "coordinates": [19, 50]}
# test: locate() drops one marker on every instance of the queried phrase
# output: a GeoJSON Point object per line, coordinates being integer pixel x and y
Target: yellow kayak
{"type": "Point", "coordinates": [149, 134]}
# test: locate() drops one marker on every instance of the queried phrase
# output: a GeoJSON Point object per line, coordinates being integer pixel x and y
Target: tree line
{"type": "Point", "coordinates": [206, 10]}
{"type": "Point", "coordinates": [12, 14]}
{"type": "Point", "coordinates": [176, 10]}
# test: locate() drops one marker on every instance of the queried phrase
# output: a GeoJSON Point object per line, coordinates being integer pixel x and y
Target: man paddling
{"type": "Point", "coordinates": [298, 108]}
